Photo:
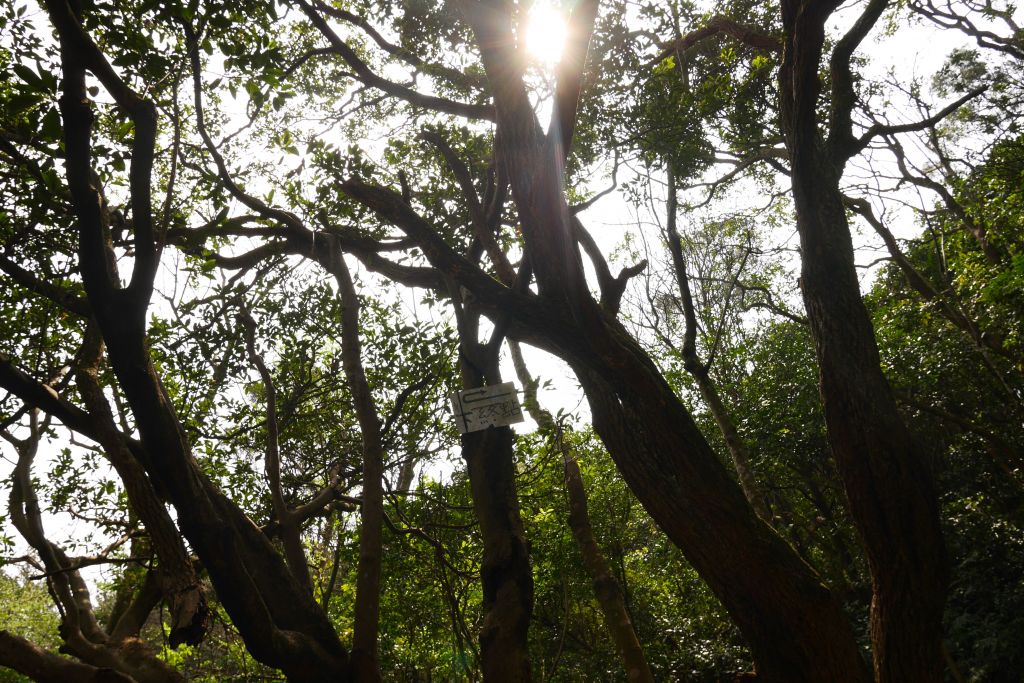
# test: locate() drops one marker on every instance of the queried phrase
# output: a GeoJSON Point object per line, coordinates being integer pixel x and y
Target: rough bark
{"type": "Point", "coordinates": [505, 571]}
{"type": "Point", "coordinates": [794, 625]}
{"type": "Point", "coordinates": [884, 470]}
{"type": "Point", "coordinates": [886, 476]}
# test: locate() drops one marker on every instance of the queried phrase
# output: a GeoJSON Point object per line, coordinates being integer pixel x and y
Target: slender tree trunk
{"type": "Point", "coordinates": [365, 657]}
{"type": "Point", "coordinates": [505, 570]}
{"type": "Point", "coordinates": [700, 371]}
{"type": "Point", "coordinates": [606, 589]}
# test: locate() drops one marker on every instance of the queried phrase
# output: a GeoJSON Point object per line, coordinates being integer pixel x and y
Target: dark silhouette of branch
{"type": "Point", "coordinates": [368, 77]}
{"type": "Point", "coordinates": [721, 25]}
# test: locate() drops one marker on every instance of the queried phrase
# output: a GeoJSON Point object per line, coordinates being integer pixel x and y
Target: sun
{"type": "Point", "coordinates": [545, 33]}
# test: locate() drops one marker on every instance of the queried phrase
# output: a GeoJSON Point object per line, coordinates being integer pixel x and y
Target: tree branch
{"type": "Point", "coordinates": [880, 129]}
{"type": "Point", "coordinates": [368, 77]}
{"type": "Point", "coordinates": [290, 532]}
{"type": "Point", "coordinates": [840, 138]}
{"type": "Point", "coordinates": [32, 661]}
{"type": "Point", "coordinates": [718, 24]}
{"type": "Point", "coordinates": [569, 77]}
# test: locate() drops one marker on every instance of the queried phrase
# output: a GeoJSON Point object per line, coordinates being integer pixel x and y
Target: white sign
{"type": "Point", "coordinates": [493, 406]}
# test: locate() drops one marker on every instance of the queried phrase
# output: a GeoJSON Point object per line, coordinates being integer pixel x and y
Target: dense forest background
{"type": "Point", "coordinates": [756, 270]}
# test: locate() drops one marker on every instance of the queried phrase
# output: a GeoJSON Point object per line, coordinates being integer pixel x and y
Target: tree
{"type": "Point", "coordinates": [149, 171]}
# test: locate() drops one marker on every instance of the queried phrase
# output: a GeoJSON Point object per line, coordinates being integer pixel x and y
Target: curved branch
{"type": "Point", "coordinates": [882, 130]}
{"type": "Point", "coordinates": [44, 667]}
{"type": "Point", "coordinates": [368, 77]}
{"type": "Point", "coordinates": [718, 24]}
{"type": "Point", "coordinates": [844, 98]}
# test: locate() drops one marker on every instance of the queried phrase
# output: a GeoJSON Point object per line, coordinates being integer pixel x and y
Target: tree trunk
{"type": "Point", "coordinates": [793, 624]}
{"type": "Point", "coordinates": [279, 621]}
{"type": "Point", "coordinates": [606, 588]}
{"type": "Point", "coordinates": [365, 658]}
{"type": "Point", "coordinates": [795, 627]}
{"type": "Point", "coordinates": [885, 473]}
{"type": "Point", "coordinates": [884, 470]}
{"type": "Point", "coordinates": [505, 570]}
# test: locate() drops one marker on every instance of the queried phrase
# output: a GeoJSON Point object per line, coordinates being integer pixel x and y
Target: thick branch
{"type": "Point", "coordinates": [190, 616]}
{"type": "Point", "coordinates": [718, 24]}
{"type": "Point", "coordinates": [41, 666]}
{"type": "Point", "coordinates": [76, 45]}
{"type": "Point", "coordinates": [569, 77]}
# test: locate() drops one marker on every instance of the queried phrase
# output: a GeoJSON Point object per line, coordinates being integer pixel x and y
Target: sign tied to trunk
{"type": "Point", "coordinates": [493, 406]}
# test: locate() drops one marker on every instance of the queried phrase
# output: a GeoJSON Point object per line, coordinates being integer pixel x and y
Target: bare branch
{"type": "Point", "coordinates": [880, 129]}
